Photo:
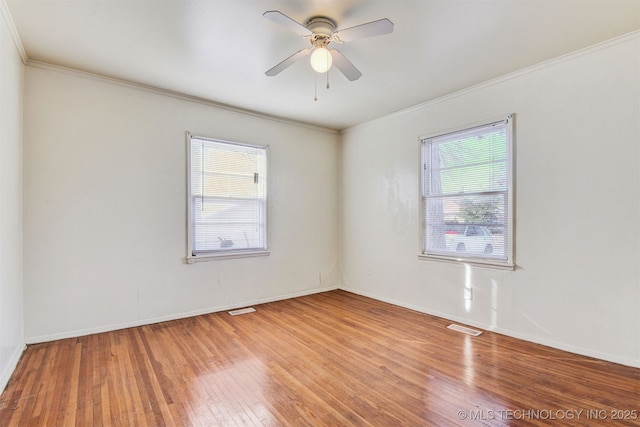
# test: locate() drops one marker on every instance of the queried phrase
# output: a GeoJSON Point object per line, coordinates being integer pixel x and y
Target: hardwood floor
{"type": "Point", "coordinates": [328, 359]}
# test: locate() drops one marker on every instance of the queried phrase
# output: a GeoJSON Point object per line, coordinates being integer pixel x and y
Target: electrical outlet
{"type": "Point", "coordinates": [468, 293]}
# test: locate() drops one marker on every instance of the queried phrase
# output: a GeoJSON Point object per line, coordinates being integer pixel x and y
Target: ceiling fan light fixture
{"type": "Point", "coordinates": [321, 60]}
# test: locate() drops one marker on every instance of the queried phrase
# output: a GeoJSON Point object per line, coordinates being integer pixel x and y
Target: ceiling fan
{"type": "Point", "coordinates": [321, 31]}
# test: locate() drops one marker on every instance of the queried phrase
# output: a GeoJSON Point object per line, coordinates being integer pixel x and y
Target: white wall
{"type": "Point", "coordinates": [105, 207]}
{"type": "Point", "coordinates": [577, 285]}
{"type": "Point", "coordinates": [11, 98]}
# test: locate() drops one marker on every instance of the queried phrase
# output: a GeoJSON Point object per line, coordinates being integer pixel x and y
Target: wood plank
{"type": "Point", "coordinates": [333, 358]}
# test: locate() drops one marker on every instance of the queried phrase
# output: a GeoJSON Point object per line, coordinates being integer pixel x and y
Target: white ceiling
{"type": "Point", "coordinates": [220, 49]}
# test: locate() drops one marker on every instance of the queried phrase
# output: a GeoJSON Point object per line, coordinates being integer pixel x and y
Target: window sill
{"type": "Point", "coordinates": [191, 259]}
{"type": "Point", "coordinates": [478, 262]}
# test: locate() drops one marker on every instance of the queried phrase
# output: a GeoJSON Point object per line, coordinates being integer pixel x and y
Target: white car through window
{"type": "Point", "coordinates": [469, 238]}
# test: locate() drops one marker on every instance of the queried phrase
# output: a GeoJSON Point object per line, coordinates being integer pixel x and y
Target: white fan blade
{"type": "Point", "coordinates": [370, 29]}
{"type": "Point", "coordinates": [347, 68]}
{"type": "Point", "coordinates": [282, 19]}
{"type": "Point", "coordinates": [288, 62]}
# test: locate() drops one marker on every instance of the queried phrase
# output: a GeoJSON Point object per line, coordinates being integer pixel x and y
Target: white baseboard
{"type": "Point", "coordinates": [151, 320]}
{"type": "Point", "coordinates": [11, 366]}
{"type": "Point", "coordinates": [635, 363]}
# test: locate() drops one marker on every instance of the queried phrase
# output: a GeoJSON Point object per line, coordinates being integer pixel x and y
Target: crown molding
{"type": "Point", "coordinates": [8, 19]}
{"type": "Point", "coordinates": [172, 94]}
{"type": "Point", "coordinates": [634, 35]}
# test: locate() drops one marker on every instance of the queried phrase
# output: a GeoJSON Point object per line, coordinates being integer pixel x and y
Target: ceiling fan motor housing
{"type": "Point", "coordinates": [322, 29]}
{"type": "Point", "coordinates": [321, 26]}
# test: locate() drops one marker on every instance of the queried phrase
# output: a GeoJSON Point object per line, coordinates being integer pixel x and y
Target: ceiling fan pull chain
{"type": "Point", "coordinates": [315, 86]}
{"type": "Point", "coordinates": [327, 79]}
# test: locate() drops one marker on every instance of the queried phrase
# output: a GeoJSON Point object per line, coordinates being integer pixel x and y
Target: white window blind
{"type": "Point", "coordinates": [467, 193]}
{"type": "Point", "coordinates": [227, 197]}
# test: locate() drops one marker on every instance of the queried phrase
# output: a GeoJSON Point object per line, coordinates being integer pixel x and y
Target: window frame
{"type": "Point", "coordinates": [509, 262]}
{"type": "Point", "coordinates": [192, 256]}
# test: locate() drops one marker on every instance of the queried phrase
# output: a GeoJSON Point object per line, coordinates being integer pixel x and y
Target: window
{"type": "Point", "coordinates": [467, 195]}
{"type": "Point", "coordinates": [227, 199]}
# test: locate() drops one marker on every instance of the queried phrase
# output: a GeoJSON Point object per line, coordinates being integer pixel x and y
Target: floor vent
{"type": "Point", "coordinates": [242, 311]}
{"type": "Point", "coordinates": [464, 330]}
